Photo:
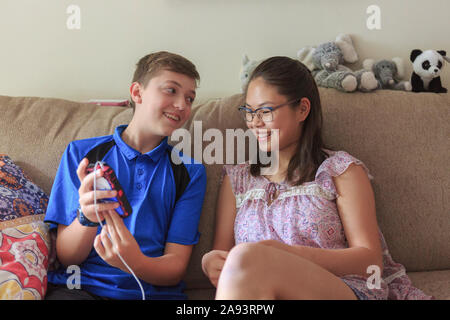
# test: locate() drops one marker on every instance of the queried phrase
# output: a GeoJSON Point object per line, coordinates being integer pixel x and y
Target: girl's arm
{"type": "Point", "coordinates": [356, 206]}
{"type": "Point", "coordinates": [213, 261]}
{"type": "Point", "coordinates": [225, 216]}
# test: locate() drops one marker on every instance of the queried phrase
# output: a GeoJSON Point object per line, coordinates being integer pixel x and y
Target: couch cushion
{"type": "Point", "coordinates": [435, 283]}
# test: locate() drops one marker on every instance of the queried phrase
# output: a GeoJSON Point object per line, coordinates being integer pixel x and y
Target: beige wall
{"type": "Point", "coordinates": [40, 56]}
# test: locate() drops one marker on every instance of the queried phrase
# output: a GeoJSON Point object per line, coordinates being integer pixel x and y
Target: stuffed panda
{"type": "Point", "coordinates": [427, 66]}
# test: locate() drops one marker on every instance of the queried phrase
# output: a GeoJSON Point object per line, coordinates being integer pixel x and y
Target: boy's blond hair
{"type": "Point", "coordinates": [149, 66]}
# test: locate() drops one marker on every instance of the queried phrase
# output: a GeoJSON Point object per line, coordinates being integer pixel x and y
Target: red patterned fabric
{"type": "Point", "coordinates": [24, 237]}
{"type": "Point", "coordinates": [24, 252]}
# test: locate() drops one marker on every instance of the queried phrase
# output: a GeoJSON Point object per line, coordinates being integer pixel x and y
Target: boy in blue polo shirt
{"type": "Point", "coordinates": [155, 241]}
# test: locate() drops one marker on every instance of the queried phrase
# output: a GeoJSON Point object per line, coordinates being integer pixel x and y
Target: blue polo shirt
{"type": "Point", "coordinates": [148, 183]}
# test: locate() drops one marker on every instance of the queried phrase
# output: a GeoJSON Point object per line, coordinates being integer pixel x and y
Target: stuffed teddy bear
{"type": "Point", "coordinates": [248, 66]}
{"type": "Point", "coordinates": [427, 66]}
{"type": "Point", "coordinates": [326, 63]}
{"type": "Point", "coordinates": [389, 73]}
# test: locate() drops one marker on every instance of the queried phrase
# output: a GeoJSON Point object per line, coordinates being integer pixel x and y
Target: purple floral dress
{"type": "Point", "coordinates": [307, 215]}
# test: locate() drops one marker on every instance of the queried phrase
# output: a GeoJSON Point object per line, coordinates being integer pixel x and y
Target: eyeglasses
{"type": "Point", "coordinates": [263, 113]}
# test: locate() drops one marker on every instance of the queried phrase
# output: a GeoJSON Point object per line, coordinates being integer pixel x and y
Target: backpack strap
{"type": "Point", "coordinates": [100, 151]}
{"type": "Point", "coordinates": [180, 175]}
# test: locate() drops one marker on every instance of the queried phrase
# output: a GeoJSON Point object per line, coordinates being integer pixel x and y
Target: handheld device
{"type": "Point", "coordinates": [109, 181]}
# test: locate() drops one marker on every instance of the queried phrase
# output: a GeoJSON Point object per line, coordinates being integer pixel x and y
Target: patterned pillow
{"type": "Point", "coordinates": [24, 237]}
{"type": "Point", "coordinates": [19, 196]}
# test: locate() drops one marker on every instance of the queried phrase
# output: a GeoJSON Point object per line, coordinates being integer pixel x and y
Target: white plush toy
{"type": "Point", "coordinates": [246, 70]}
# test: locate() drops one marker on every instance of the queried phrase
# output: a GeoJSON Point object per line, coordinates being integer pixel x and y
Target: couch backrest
{"type": "Point", "coordinates": [401, 137]}
{"type": "Point", "coordinates": [34, 132]}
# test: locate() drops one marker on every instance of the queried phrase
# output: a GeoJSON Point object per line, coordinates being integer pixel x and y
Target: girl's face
{"type": "Point", "coordinates": [286, 119]}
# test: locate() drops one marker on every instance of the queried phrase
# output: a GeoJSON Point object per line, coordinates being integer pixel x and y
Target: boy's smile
{"type": "Point", "coordinates": [172, 116]}
{"type": "Point", "coordinates": [170, 95]}
{"type": "Point", "coordinates": [162, 106]}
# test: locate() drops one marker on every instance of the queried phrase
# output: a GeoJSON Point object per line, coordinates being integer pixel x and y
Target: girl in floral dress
{"type": "Point", "coordinates": [308, 231]}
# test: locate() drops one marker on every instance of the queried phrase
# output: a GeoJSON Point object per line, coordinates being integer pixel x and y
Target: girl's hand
{"type": "Point", "coordinates": [86, 194]}
{"type": "Point", "coordinates": [212, 265]}
{"type": "Point", "coordinates": [121, 242]}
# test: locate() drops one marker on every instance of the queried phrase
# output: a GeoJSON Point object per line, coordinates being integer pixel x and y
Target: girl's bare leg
{"type": "Point", "coordinates": [257, 271]}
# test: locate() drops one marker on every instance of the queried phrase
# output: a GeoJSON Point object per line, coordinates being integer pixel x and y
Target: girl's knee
{"type": "Point", "coordinates": [246, 265]}
{"type": "Point", "coordinates": [246, 256]}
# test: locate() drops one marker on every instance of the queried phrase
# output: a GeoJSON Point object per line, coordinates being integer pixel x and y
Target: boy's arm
{"type": "Point", "coordinates": [166, 270]}
{"type": "Point", "coordinates": [74, 242]}
{"type": "Point", "coordinates": [61, 211]}
{"type": "Point", "coordinates": [182, 234]}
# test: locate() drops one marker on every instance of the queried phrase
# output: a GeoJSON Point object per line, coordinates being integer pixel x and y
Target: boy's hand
{"type": "Point", "coordinates": [121, 241]}
{"type": "Point", "coordinates": [86, 193]}
{"type": "Point", "coordinates": [212, 264]}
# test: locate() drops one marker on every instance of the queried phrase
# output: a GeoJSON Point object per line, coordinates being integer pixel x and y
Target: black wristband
{"type": "Point", "coordinates": [85, 221]}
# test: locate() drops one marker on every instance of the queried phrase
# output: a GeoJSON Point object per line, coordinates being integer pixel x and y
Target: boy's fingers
{"type": "Point", "coordinates": [98, 246]}
{"type": "Point", "coordinates": [88, 180]}
{"type": "Point", "coordinates": [117, 223]}
{"type": "Point", "coordinates": [106, 241]}
{"type": "Point", "coordinates": [87, 198]}
{"type": "Point", "coordinates": [105, 207]}
{"type": "Point", "coordinates": [81, 170]}
{"type": "Point", "coordinates": [102, 209]}
{"type": "Point", "coordinates": [111, 228]}
{"type": "Point", "coordinates": [100, 194]}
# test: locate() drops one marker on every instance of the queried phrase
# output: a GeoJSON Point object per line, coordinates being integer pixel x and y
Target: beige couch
{"type": "Point", "coordinates": [402, 137]}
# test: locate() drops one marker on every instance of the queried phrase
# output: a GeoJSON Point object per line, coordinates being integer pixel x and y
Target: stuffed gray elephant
{"type": "Point", "coordinates": [326, 63]}
{"type": "Point", "coordinates": [328, 56]}
{"type": "Point", "coordinates": [388, 73]}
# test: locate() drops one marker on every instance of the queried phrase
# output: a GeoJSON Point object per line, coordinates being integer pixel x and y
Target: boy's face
{"type": "Point", "coordinates": [165, 103]}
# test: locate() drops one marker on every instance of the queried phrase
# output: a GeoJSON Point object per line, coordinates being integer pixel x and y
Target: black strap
{"type": "Point", "coordinates": [100, 151]}
{"type": "Point", "coordinates": [180, 172]}
{"type": "Point", "coordinates": [180, 175]}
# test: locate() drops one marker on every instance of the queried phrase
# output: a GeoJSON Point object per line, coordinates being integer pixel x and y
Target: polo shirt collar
{"type": "Point", "coordinates": [131, 153]}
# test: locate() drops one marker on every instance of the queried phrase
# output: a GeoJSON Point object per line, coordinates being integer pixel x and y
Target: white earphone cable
{"type": "Point", "coordinates": [101, 224]}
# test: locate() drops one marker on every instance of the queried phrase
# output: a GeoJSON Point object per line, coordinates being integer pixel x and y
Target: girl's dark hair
{"type": "Point", "coordinates": [294, 81]}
